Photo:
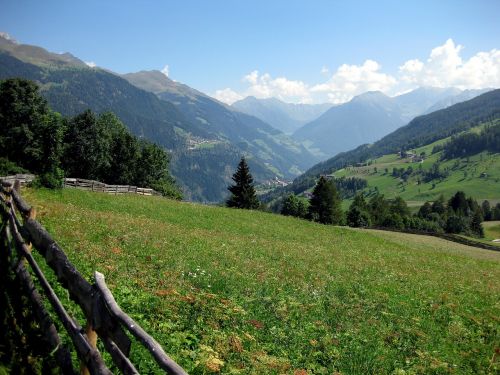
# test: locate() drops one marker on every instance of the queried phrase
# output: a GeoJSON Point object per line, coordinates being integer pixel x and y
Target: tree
{"type": "Point", "coordinates": [425, 211]}
{"type": "Point", "coordinates": [379, 209]}
{"type": "Point", "coordinates": [439, 205]}
{"type": "Point", "coordinates": [30, 132]}
{"type": "Point", "coordinates": [459, 203]}
{"type": "Point", "coordinates": [290, 206]}
{"type": "Point", "coordinates": [358, 215]}
{"type": "Point", "coordinates": [87, 144]}
{"type": "Point", "coordinates": [243, 192]}
{"type": "Point", "coordinates": [475, 225]}
{"type": "Point", "coordinates": [294, 206]}
{"type": "Point", "coordinates": [324, 205]}
{"type": "Point", "coordinates": [487, 213]}
{"type": "Point", "coordinates": [399, 207]}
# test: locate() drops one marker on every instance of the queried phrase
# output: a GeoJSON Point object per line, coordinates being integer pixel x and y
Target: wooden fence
{"type": "Point", "coordinates": [104, 318]}
{"type": "Point", "coordinates": [84, 184]}
{"type": "Point", "coordinates": [92, 185]}
{"type": "Point", "coordinates": [22, 178]}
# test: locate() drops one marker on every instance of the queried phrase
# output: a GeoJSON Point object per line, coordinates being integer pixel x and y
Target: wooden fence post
{"type": "Point", "coordinates": [92, 340]}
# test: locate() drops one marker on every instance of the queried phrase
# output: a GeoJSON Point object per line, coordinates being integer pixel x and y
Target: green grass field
{"type": "Point", "coordinates": [478, 176]}
{"type": "Point", "coordinates": [240, 292]}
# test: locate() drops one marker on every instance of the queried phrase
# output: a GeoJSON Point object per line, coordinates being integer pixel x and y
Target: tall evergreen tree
{"type": "Point", "coordinates": [324, 205]}
{"type": "Point", "coordinates": [243, 192]}
{"type": "Point", "coordinates": [487, 213]}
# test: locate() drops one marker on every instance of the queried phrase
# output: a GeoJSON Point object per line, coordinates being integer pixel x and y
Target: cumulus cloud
{"type": "Point", "coordinates": [165, 70]}
{"type": "Point", "coordinates": [351, 80]}
{"type": "Point", "coordinates": [264, 86]}
{"type": "Point", "coordinates": [227, 96]}
{"type": "Point", "coordinates": [444, 67]}
{"type": "Point", "coordinates": [91, 64]}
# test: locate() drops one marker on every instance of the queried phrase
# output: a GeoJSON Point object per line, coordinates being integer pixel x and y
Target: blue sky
{"type": "Point", "coordinates": [297, 47]}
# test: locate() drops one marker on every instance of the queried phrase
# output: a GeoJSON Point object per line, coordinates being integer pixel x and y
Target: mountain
{"type": "Point", "coordinates": [224, 123]}
{"type": "Point", "coordinates": [194, 127]}
{"type": "Point", "coordinates": [421, 131]}
{"type": "Point", "coordinates": [469, 162]}
{"type": "Point", "coordinates": [454, 99]}
{"type": "Point", "coordinates": [37, 55]}
{"type": "Point", "coordinates": [364, 119]}
{"type": "Point", "coordinates": [418, 101]}
{"type": "Point", "coordinates": [370, 116]}
{"type": "Point", "coordinates": [286, 117]}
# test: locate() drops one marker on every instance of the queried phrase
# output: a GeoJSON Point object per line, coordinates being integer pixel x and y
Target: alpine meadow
{"type": "Point", "coordinates": [222, 187]}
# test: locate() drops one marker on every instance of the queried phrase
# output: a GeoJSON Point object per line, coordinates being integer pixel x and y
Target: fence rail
{"type": "Point", "coordinates": [104, 318]}
{"type": "Point", "coordinates": [81, 183]}
{"type": "Point", "coordinates": [92, 185]}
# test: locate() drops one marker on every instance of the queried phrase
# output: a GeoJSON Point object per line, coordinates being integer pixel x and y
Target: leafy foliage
{"type": "Point", "coordinates": [472, 143]}
{"type": "Point", "coordinates": [324, 205]}
{"type": "Point", "coordinates": [294, 206]}
{"type": "Point", "coordinates": [86, 146]}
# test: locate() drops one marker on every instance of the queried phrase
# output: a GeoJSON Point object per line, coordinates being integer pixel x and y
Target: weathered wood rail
{"type": "Point", "coordinates": [92, 185]}
{"type": "Point", "coordinates": [83, 184]}
{"type": "Point", "coordinates": [104, 318]}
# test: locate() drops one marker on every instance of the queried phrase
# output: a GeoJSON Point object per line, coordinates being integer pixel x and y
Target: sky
{"type": "Point", "coordinates": [298, 51]}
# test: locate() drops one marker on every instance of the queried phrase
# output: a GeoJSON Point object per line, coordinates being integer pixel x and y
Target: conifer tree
{"type": "Point", "coordinates": [243, 192]}
{"type": "Point", "coordinates": [325, 203]}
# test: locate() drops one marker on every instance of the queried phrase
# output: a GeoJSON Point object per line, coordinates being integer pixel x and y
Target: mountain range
{"type": "Point", "coordinates": [205, 137]}
{"type": "Point", "coordinates": [422, 130]}
{"type": "Point", "coordinates": [286, 117]}
{"type": "Point", "coordinates": [196, 128]}
{"type": "Point", "coordinates": [327, 129]}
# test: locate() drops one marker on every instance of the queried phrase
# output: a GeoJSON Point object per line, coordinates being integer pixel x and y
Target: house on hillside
{"type": "Point", "coordinates": [307, 194]}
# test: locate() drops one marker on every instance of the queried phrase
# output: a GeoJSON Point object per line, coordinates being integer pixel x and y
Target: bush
{"type": "Point", "coordinates": [51, 180]}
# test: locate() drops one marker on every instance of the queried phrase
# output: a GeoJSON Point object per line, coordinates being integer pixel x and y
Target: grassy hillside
{"type": "Point", "coordinates": [421, 131]}
{"type": "Point", "coordinates": [477, 175]}
{"type": "Point", "coordinates": [235, 291]}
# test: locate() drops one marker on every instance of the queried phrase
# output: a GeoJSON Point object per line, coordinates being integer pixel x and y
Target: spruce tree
{"type": "Point", "coordinates": [325, 203]}
{"type": "Point", "coordinates": [243, 192]}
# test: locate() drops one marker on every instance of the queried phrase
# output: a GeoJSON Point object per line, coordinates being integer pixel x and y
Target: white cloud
{"type": "Point", "coordinates": [227, 96]}
{"type": "Point", "coordinates": [351, 80]}
{"type": "Point", "coordinates": [8, 37]}
{"type": "Point", "coordinates": [264, 86]}
{"type": "Point", "coordinates": [91, 64]}
{"type": "Point", "coordinates": [165, 70]}
{"type": "Point", "coordinates": [444, 67]}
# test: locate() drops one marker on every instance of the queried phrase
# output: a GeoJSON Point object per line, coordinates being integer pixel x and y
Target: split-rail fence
{"type": "Point", "coordinates": [84, 184]}
{"type": "Point", "coordinates": [21, 233]}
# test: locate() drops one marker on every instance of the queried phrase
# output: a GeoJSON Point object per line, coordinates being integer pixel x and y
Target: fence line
{"type": "Point", "coordinates": [84, 184]}
{"type": "Point", "coordinates": [104, 318]}
{"type": "Point", "coordinates": [92, 185]}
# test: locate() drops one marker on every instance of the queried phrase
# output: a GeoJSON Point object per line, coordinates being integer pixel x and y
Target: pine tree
{"type": "Point", "coordinates": [243, 192]}
{"type": "Point", "coordinates": [325, 203]}
{"type": "Point", "coordinates": [475, 225]}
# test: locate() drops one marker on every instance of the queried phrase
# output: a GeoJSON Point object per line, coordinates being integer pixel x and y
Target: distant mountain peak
{"type": "Point", "coordinates": [36, 55]}
{"type": "Point", "coordinates": [286, 117]}
{"type": "Point", "coordinates": [6, 36]}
